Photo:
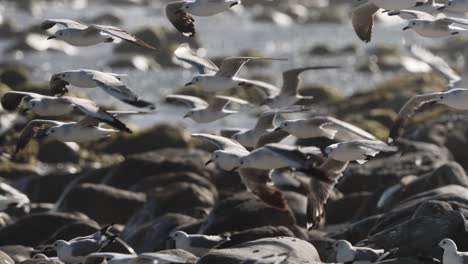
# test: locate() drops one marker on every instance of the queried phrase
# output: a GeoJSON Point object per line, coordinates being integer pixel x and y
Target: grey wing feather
{"type": "Point", "coordinates": [181, 20]}
{"type": "Point", "coordinates": [84, 247]}
{"type": "Point", "coordinates": [231, 66]}
{"type": "Point", "coordinates": [49, 23]}
{"type": "Point", "coordinates": [205, 242]}
{"type": "Point", "coordinates": [189, 101]}
{"type": "Point", "coordinates": [12, 100]}
{"type": "Point", "coordinates": [265, 121]}
{"type": "Point", "coordinates": [347, 131]}
{"type": "Point", "coordinates": [119, 33]}
{"type": "Point", "coordinates": [374, 145]}
{"type": "Point", "coordinates": [363, 21]}
{"type": "Point", "coordinates": [271, 137]}
{"type": "Point", "coordinates": [32, 129]}
{"type": "Point", "coordinates": [220, 142]}
{"type": "Point", "coordinates": [411, 14]}
{"type": "Point", "coordinates": [367, 254]}
{"type": "Point", "coordinates": [292, 79]}
{"type": "Point", "coordinates": [203, 66]}
{"type": "Point", "coordinates": [222, 101]}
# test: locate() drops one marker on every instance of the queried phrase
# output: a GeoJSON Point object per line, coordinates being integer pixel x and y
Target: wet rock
{"type": "Point", "coordinates": [25, 231]}
{"type": "Point", "coordinates": [102, 203]}
{"type": "Point", "coordinates": [187, 256]}
{"type": "Point", "coordinates": [299, 251]}
{"type": "Point", "coordinates": [17, 252]}
{"type": "Point", "coordinates": [140, 63]}
{"type": "Point", "coordinates": [137, 167]}
{"type": "Point", "coordinates": [346, 208]}
{"type": "Point", "coordinates": [157, 137]}
{"type": "Point", "coordinates": [153, 235]}
{"type": "Point", "coordinates": [58, 152]}
{"type": "Point", "coordinates": [244, 211]}
{"type": "Point", "coordinates": [15, 76]}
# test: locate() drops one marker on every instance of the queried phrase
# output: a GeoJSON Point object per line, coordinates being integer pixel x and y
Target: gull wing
{"type": "Point", "coordinates": [33, 129]}
{"type": "Point", "coordinates": [271, 137]}
{"type": "Point", "coordinates": [221, 101]}
{"type": "Point", "coordinates": [220, 142]}
{"type": "Point", "coordinates": [182, 21]}
{"type": "Point", "coordinates": [12, 100]}
{"type": "Point", "coordinates": [411, 14]}
{"type": "Point", "coordinates": [231, 66]}
{"type": "Point", "coordinates": [203, 66]}
{"type": "Point", "coordinates": [437, 63]}
{"type": "Point", "coordinates": [190, 101]}
{"type": "Point", "coordinates": [68, 23]}
{"type": "Point", "coordinates": [373, 147]}
{"type": "Point", "coordinates": [408, 110]}
{"type": "Point", "coordinates": [363, 21]}
{"type": "Point", "coordinates": [292, 79]}
{"type": "Point", "coordinates": [345, 130]}
{"type": "Point", "coordinates": [452, 20]}
{"type": "Point", "coordinates": [118, 33]}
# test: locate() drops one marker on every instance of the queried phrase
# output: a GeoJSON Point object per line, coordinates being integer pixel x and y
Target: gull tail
{"type": "Point", "coordinates": [140, 103]}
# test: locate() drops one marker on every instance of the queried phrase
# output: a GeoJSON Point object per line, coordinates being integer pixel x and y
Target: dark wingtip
{"type": "Point", "coordinates": [395, 131]}
{"type": "Point", "coordinates": [273, 197]}
{"type": "Point", "coordinates": [141, 104]}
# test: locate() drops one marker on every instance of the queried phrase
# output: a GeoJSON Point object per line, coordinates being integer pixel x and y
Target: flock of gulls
{"type": "Point", "coordinates": [258, 153]}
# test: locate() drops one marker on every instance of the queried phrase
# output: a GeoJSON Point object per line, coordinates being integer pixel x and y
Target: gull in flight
{"type": "Point", "coordinates": [324, 126]}
{"type": "Point", "coordinates": [109, 82]}
{"type": "Point", "coordinates": [10, 196]}
{"type": "Point", "coordinates": [456, 98]}
{"type": "Point", "coordinates": [429, 26]}
{"type": "Point", "coordinates": [455, 6]}
{"type": "Point", "coordinates": [85, 130]}
{"type": "Point", "coordinates": [197, 244]}
{"type": "Point", "coordinates": [179, 13]}
{"type": "Point", "coordinates": [50, 106]}
{"type": "Point", "coordinates": [357, 150]}
{"type": "Point", "coordinates": [201, 111]}
{"type": "Point", "coordinates": [77, 34]}
{"type": "Point", "coordinates": [265, 123]}
{"type": "Point", "coordinates": [322, 178]}
{"type": "Point", "coordinates": [451, 254]}
{"type": "Point", "coordinates": [363, 15]}
{"type": "Point", "coordinates": [289, 95]}
{"type": "Point", "coordinates": [214, 79]}
{"type": "Point", "coordinates": [346, 252]}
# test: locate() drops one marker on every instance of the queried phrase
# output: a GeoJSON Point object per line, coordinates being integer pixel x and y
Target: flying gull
{"type": "Point", "coordinates": [357, 150]}
{"type": "Point", "coordinates": [201, 111]}
{"type": "Point", "coordinates": [363, 15]}
{"type": "Point", "coordinates": [429, 26]}
{"type": "Point", "coordinates": [50, 106]}
{"type": "Point", "coordinates": [86, 130]}
{"type": "Point", "coordinates": [324, 126]}
{"type": "Point", "coordinates": [76, 250]}
{"type": "Point", "coordinates": [265, 123]}
{"type": "Point", "coordinates": [347, 253]}
{"type": "Point", "coordinates": [451, 254]}
{"type": "Point", "coordinates": [78, 34]}
{"type": "Point", "coordinates": [214, 79]}
{"type": "Point", "coordinates": [289, 95]}
{"type": "Point", "coordinates": [197, 244]}
{"type": "Point", "coordinates": [179, 13]}
{"type": "Point", "coordinates": [456, 98]}
{"type": "Point", "coordinates": [322, 178]}
{"type": "Point", "coordinates": [460, 6]}
{"type": "Point", "coordinates": [10, 196]}
{"type": "Point", "coordinates": [109, 82]}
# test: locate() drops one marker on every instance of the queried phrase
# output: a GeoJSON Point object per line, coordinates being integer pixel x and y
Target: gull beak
{"type": "Point", "coordinates": [329, 248]}
{"type": "Point", "coordinates": [407, 27]}
{"type": "Point", "coordinates": [235, 169]}
{"type": "Point", "coordinates": [24, 111]}
{"type": "Point", "coordinates": [208, 162]}
{"type": "Point", "coordinates": [186, 116]}
{"type": "Point", "coordinates": [188, 84]}
{"type": "Point", "coordinates": [277, 129]}
{"type": "Point", "coordinates": [419, 4]}
{"type": "Point", "coordinates": [441, 8]}
{"type": "Point", "coordinates": [51, 37]}
{"type": "Point", "coordinates": [433, 102]}
{"type": "Point", "coordinates": [179, 11]}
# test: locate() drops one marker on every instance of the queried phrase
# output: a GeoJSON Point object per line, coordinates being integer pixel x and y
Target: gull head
{"type": "Point", "coordinates": [330, 150]}
{"type": "Point", "coordinates": [342, 245]}
{"type": "Point", "coordinates": [189, 114]}
{"type": "Point", "coordinates": [450, 4]}
{"type": "Point", "coordinates": [60, 34]}
{"type": "Point", "coordinates": [59, 244]}
{"type": "Point", "coordinates": [285, 125]}
{"type": "Point", "coordinates": [199, 80]}
{"type": "Point", "coordinates": [30, 105]}
{"type": "Point", "coordinates": [187, 6]}
{"type": "Point", "coordinates": [412, 24]}
{"type": "Point", "coordinates": [448, 244]}
{"type": "Point", "coordinates": [179, 235]}
{"type": "Point", "coordinates": [225, 160]}
{"type": "Point", "coordinates": [50, 133]}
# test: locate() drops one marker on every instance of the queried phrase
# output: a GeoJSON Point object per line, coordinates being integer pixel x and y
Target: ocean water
{"type": "Point", "coordinates": [222, 35]}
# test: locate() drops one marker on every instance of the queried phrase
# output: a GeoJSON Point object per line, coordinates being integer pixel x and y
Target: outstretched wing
{"type": "Point", "coordinates": [33, 129]}
{"type": "Point", "coordinates": [231, 66]}
{"type": "Point", "coordinates": [363, 21]}
{"type": "Point", "coordinates": [118, 33]}
{"type": "Point", "coordinates": [182, 21]}
{"type": "Point", "coordinates": [49, 23]}
{"type": "Point", "coordinates": [292, 80]}
{"type": "Point", "coordinates": [220, 142]}
{"type": "Point", "coordinates": [203, 66]}
{"type": "Point", "coordinates": [12, 100]}
{"type": "Point", "coordinates": [190, 101]}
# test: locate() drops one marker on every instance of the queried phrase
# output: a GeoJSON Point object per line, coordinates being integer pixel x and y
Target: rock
{"type": "Point", "coordinates": [299, 251]}
{"type": "Point", "coordinates": [244, 211]}
{"type": "Point", "coordinates": [152, 235]}
{"type": "Point", "coordinates": [140, 63]}
{"type": "Point", "coordinates": [17, 252]}
{"type": "Point", "coordinates": [25, 231]}
{"type": "Point", "coordinates": [346, 208]}
{"type": "Point", "coordinates": [157, 137]}
{"type": "Point", "coordinates": [137, 167]}
{"type": "Point", "coordinates": [58, 152]}
{"type": "Point", "coordinates": [15, 76]}
{"type": "Point", "coordinates": [187, 256]}
{"type": "Point", "coordinates": [256, 233]}
{"type": "Point", "coordinates": [102, 203]}
{"type": "Point", "coordinates": [42, 261]}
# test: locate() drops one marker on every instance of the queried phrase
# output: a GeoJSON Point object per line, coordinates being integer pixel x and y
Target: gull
{"type": "Point", "coordinates": [456, 98]}
{"type": "Point", "coordinates": [179, 13]}
{"type": "Point", "coordinates": [78, 34]}
{"type": "Point", "coordinates": [143, 258]}
{"type": "Point", "coordinates": [429, 26]}
{"type": "Point", "coordinates": [288, 94]}
{"type": "Point", "coordinates": [357, 150]}
{"type": "Point", "coordinates": [214, 79]}
{"type": "Point", "coordinates": [201, 111]}
{"type": "Point", "coordinates": [50, 106]}
{"type": "Point", "coordinates": [76, 250]}
{"type": "Point", "coordinates": [85, 130]}
{"type": "Point", "coordinates": [228, 154]}
{"type": "Point", "coordinates": [439, 65]}
{"type": "Point", "coordinates": [455, 6]}
{"type": "Point", "coordinates": [346, 252]}
{"type": "Point", "coordinates": [249, 138]}
{"type": "Point", "coordinates": [322, 178]}
{"type": "Point", "coordinates": [197, 244]}
{"type": "Point", "coordinates": [451, 255]}
{"type": "Point", "coordinates": [109, 82]}
{"type": "Point", "coordinates": [324, 126]}
{"type": "Point", "coordinates": [10, 196]}
{"type": "Point", "coordinates": [363, 15]}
